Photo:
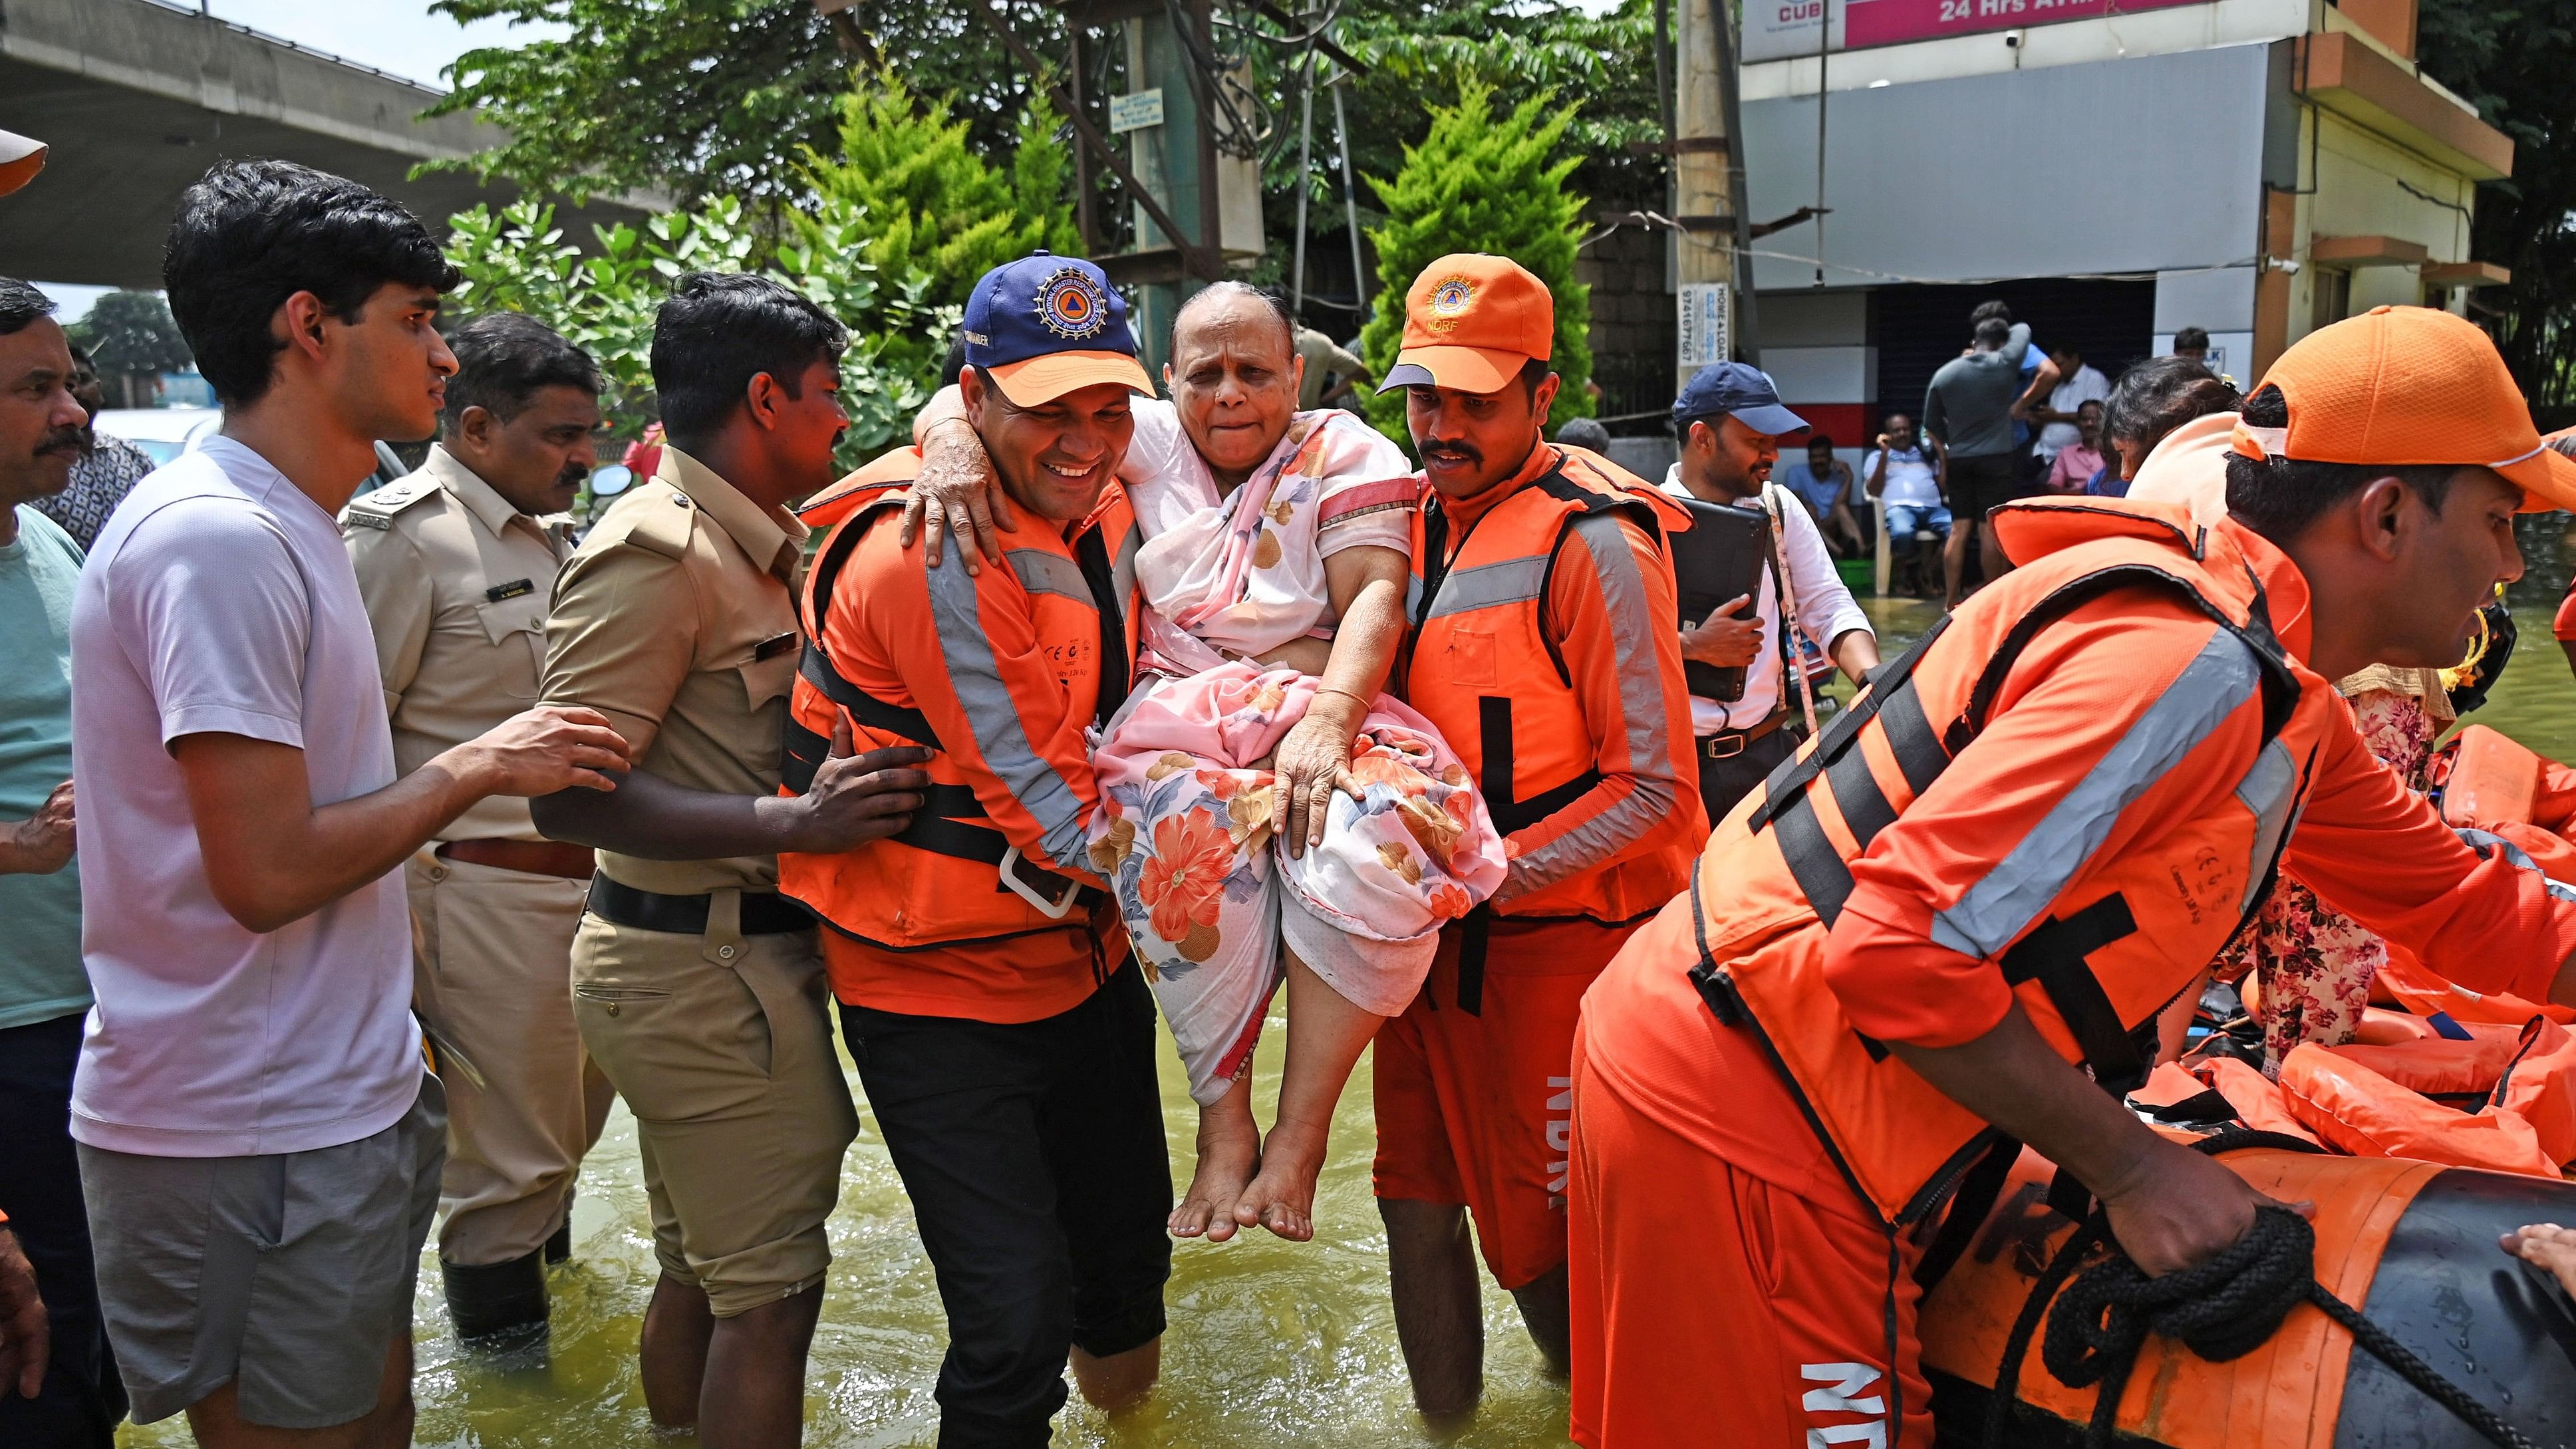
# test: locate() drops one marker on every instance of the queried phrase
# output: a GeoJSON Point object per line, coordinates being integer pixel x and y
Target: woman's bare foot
{"type": "Point", "coordinates": [1282, 1197]}
{"type": "Point", "coordinates": [1229, 1149]}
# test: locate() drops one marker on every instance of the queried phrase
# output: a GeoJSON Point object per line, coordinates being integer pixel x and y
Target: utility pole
{"type": "Point", "coordinates": [1708, 186]}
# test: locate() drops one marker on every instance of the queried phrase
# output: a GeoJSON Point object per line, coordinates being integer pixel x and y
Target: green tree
{"type": "Point", "coordinates": [517, 260]}
{"type": "Point", "coordinates": [698, 98]}
{"type": "Point", "coordinates": [1598, 64]}
{"type": "Point", "coordinates": [1481, 183]}
{"type": "Point", "coordinates": [933, 207]}
{"type": "Point", "coordinates": [128, 333]}
{"type": "Point", "coordinates": [2511, 60]}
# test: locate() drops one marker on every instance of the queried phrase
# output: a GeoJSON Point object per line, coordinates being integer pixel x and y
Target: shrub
{"type": "Point", "coordinates": [1479, 183]}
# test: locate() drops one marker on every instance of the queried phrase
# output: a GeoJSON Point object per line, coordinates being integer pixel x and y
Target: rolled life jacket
{"type": "Point", "coordinates": [1480, 666]}
{"type": "Point", "coordinates": [949, 877]}
{"type": "Point", "coordinates": [2095, 966]}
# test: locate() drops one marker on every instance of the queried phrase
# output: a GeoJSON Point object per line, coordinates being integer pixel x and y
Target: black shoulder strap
{"type": "Point", "coordinates": [804, 749]}
{"type": "Point", "coordinates": [2053, 953]}
{"type": "Point", "coordinates": [1117, 656]}
{"type": "Point", "coordinates": [1435, 557]}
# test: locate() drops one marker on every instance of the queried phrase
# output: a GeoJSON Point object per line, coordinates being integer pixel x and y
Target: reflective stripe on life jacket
{"type": "Point", "coordinates": [949, 877]}
{"type": "Point", "coordinates": [1480, 665]}
{"type": "Point", "coordinates": [2094, 948]}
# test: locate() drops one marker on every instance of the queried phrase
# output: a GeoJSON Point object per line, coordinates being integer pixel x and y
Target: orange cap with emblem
{"type": "Point", "coordinates": [1472, 322]}
{"type": "Point", "coordinates": [2409, 386]}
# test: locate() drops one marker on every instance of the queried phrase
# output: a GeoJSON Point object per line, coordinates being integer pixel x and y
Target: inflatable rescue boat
{"type": "Point", "coordinates": [2411, 1244]}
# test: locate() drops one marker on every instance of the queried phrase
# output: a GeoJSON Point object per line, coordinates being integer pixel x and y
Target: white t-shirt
{"type": "Point", "coordinates": [219, 599]}
{"type": "Point", "coordinates": [1826, 611]}
{"type": "Point", "coordinates": [1910, 479]}
{"type": "Point", "coordinates": [2087, 385]}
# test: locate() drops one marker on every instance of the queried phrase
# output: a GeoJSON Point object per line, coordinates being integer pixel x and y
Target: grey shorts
{"type": "Point", "coordinates": [287, 1275]}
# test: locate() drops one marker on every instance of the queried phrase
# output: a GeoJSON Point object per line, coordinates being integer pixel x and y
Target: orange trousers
{"type": "Point", "coordinates": [1712, 1308]}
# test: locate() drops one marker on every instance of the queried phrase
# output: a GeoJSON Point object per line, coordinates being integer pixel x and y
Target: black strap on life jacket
{"type": "Point", "coordinates": [1510, 813]}
{"type": "Point", "coordinates": [1091, 551]}
{"type": "Point", "coordinates": [1495, 750]}
{"type": "Point", "coordinates": [937, 827]}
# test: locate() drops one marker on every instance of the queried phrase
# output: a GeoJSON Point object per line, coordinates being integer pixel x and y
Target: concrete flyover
{"type": "Point", "coordinates": [138, 97]}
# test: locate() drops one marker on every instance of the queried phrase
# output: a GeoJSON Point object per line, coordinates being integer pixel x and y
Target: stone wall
{"type": "Point", "coordinates": [1632, 324]}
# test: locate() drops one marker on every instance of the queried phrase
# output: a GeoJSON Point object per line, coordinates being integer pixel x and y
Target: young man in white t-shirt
{"type": "Point", "coordinates": [259, 1147]}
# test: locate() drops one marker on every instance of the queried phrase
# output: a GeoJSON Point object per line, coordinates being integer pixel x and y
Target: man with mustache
{"type": "Point", "coordinates": [106, 469]}
{"type": "Point", "coordinates": [456, 566]}
{"type": "Point", "coordinates": [1545, 651]}
{"type": "Point", "coordinates": [54, 1352]}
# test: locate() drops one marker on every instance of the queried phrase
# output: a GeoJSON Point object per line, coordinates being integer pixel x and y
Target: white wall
{"type": "Point", "coordinates": [1924, 180]}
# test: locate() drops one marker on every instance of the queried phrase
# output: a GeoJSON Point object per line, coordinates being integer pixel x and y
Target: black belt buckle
{"type": "Point", "coordinates": [1709, 745]}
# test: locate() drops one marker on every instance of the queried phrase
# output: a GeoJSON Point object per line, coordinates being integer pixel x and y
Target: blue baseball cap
{"type": "Point", "coordinates": [1045, 325]}
{"type": "Point", "coordinates": [1740, 390]}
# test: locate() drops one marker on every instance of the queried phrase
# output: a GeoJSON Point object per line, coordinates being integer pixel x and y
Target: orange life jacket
{"type": "Point", "coordinates": [948, 877]}
{"type": "Point", "coordinates": [1481, 667]}
{"type": "Point", "coordinates": [2094, 965]}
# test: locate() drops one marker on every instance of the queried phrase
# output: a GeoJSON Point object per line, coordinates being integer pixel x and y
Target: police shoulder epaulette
{"type": "Point", "coordinates": [378, 509]}
{"type": "Point", "coordinates": [659, 520]}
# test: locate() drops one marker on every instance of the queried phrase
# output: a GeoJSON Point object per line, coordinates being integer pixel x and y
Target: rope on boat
{"type": "Point", "coordinates": [2222, 1309]}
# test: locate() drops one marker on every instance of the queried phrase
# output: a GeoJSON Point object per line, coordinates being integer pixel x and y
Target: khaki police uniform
{"type": "Point", "coordinates": [695, 984]}
{"type": "Point", "coordinates": [456, 581]}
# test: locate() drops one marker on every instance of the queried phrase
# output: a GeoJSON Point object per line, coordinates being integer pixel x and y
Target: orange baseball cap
{"type": "Point", "coordinates": [1472, 322]}
{"type": "Point", "coordinates": [21, 157]}
{"type": "Point", "coordinates": [2408, 386]}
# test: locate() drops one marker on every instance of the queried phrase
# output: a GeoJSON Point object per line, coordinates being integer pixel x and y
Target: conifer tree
{"type": "Point", "coordinates": [931, 205]}
{"type": "Point", "coordinates": [1479, 183]}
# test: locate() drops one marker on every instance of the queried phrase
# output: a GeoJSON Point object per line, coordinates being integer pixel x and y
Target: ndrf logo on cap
{"type": "Point", "coordinates": [1072, 305]}
{"type": "Point", "coordinates": [1471, 323]}
{"type": "Point", "coordinates": [1045, 325]}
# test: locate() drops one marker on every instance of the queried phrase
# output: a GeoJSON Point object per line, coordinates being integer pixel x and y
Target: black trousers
{"type": "Point", "coordinates": [1724, 782]}
{"type": "Point", "coordinates": [40, 1190]}
{"type": "Point", "coordinates": [1034, 1157]}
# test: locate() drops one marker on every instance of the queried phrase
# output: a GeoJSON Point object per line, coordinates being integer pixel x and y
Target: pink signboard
{"type": "Point", "coordinates": [1892, 22]}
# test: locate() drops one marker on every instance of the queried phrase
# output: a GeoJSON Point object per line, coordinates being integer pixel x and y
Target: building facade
{"type": "Point", "coordinates": [2116, 170]}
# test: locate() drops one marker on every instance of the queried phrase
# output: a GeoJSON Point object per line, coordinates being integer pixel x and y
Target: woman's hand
{"type": "Point", "coordinates": [2549, 1247]}
{"type": "Point", "coordinates": [957, 492]}
{"type": "Point", "coordinates": [1311, 763]}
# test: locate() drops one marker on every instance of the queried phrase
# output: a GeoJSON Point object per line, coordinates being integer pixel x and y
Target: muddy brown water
{"type": "Point", "coordinates": [1272, 1344]}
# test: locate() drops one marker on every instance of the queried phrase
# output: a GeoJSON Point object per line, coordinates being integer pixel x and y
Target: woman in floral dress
{"type": "Point", "coordinates": [1268, 814]}
{"type": "Point", "coordinates": [2312, 965]}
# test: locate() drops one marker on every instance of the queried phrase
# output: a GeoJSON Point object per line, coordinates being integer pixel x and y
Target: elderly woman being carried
{"type": "Point", "coordinates": [1269, 814]}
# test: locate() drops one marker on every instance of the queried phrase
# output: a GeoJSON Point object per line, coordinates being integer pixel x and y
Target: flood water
{"type": "Point", "coordinates": [1272, 1344]}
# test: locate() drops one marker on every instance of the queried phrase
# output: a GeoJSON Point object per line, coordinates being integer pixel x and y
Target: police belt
{"type": "Point", "coordinates": [764, 913]}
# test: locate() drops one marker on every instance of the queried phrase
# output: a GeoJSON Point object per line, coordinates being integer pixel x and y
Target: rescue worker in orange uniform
{"type": "Point", "coordinates": [1545, 649]}
{"type": "Point", "coordinates": [1005, 1043]}
{"type": "Point", "coordinates": [2023, 844]}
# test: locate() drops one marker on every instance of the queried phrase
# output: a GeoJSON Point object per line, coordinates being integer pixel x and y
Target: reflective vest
{"type": "Point", "coordinates": [949, 877]}
{"type": "Point", "coordinates": [2094, 966]}
{"type": "Point", "coordinates": [1481, 667]}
